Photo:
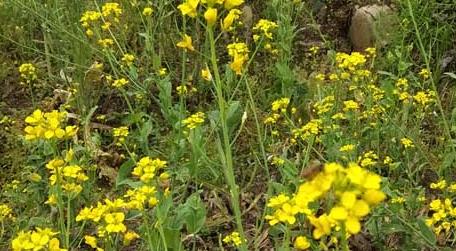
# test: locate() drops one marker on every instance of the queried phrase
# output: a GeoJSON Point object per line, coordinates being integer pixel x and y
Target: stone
{"type": "Point", "coordinates": [369, 26]}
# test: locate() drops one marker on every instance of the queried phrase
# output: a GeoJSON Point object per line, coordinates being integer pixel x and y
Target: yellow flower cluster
{"type": "Point", "coordinates": [189, 7]}
{"type": "Point", "coordinates": [356, 192]}
{"type": "Point", "coordinates": [109, 217]}
{"type": "Point", "coordinates": [28, 72]}
{"type": "Point", "coordinates": [311, 129]}
{"type": "Point", "coordinates": [368, 159]}
{"type": "Point", "coordinates": [92, 21]}
{"type": "Point", "coordinates": [443, 216]}
{"type": "Point", "coordinates": [194, 120]}
{"type": "Point", "coordinates": [264, 28]}
{"type": "Point", "coordinates": [278, 108]}
{"type": "Point", "coordinates": [350, 62]}
{"type": "Point", "coordinates": [120, 134]}
{"type": "Point", "coordinates": [239, 53]}
{"type": "Point", "coordinates": [68, 177]}
{"type": "Point", "coordinates": [301, 243]}
{"type": "Point", "coordinates": [119, 83]}
{"type": "Point", "coordinates": [40, 239]}
{"type": "Point", "coordinates": [48, 126]}
{"type": "Point", "coordinates": [6, 212]}
{"type": "Point", "coordinates": [233, 239]}
{"type": "Point", "coordinates": [325, 105]}
{"type": "Point", "coordinates": [128, 59]}
{"type": "Point", "coordinates": [407, 143]}
{"type": "Point", "coordinates": [147, 168]}
{"type": "Point", "coordinates": [186, 43]}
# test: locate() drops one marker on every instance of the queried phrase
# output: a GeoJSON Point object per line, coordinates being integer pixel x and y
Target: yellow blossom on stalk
{"type": "Point", "coordinates": [211, 16]}
{"type": "Point", "coordinates": [105, 43]}
{"type": "Point", "coordinates": [228, 21]}
{"type": "Point", "coordinates": [407, 143]}
{"type": "Point", "coordinates": [5, 212]}
{"type": "Point", "coordinates": [120, 134]}
{"type": "Point", "coordinates": [312, 128]}
{"type": "Point", "coordinates": [147, 168]}
{"type": "Point", "coordinates": [129, 236]}
{"type": "Point", "coordinates": [239, 53]}
{"type": "Point", "coordinates": [355, 190]}
{"type": "Point", "coordinates": [229, 4]}
{"type": "Point", "coordinates": [265, 27]}
{"type": "Point", "coordinates": [194, 120]}
{"type": "Point", "coordinates": [350, 62]}
{"type": "Point", "coordinates": [398, 200]}
{"type": "Point", "coordinates": [371, 51]}
{"type": "Point", "coordinates": [48, 125]}
{"type": "Point", "coordinates": [301, 243]}
{"type": "Point", "coordinates": [28, 72]}
{"type": "Point", "coordinates": [188, 8]}
{"type": "Point", "coordinates": [162, 72]}
{"type": "Point", "coordinates": [320, 77]}
{"type": "Point", "coordinates": [128, 59]}
{"type": "Point", "coordinates": [147, 11]}
{"type": "Point", "coordinates": [186, 43]}
{"type": "Point", "coordinates": [111, 9]}
{"type": "Point", "coordinates": [91, 241]}
{"type": "Point", "coordinates": [440, 185]}
{"type": "Point", "coordinates": [347, 148]}
{"type": "Point", "coordinates": [424, 98]}
{"type": "Point", "coordinates": [350, 105]}
{"type": "Point", "coordinates": [402, 83]}
{"type": "Point", "coordinates": [181, 90]}
{"type": "Point", "coordinates": [206, 74]}
{"type": "Point", "coordinates": [425, 73]}
{"type": "Point", "coordinates": [280, 105]}
{"type": "Point", "coordinates": [119, 83]}
{"type": "Point", "coordinates": [40, 239]}
{"type": "Point", "coordinates": [88, 17]}
{"type": "Point", "coordinates": [314, 49]}
{"type": "Point", "coordinates": [234, 239]}
{"type": "Point", "coordinates": [114, 223]}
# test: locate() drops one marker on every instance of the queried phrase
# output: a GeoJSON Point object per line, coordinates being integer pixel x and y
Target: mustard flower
{"type": "Point", "coordinates": [228, 21]}
{"type": "Point", "coordinates": [147, 11]}
{"type": "Point", "coordinates": [188, 8]}
{"type": "Point", "coordinates": [186, 43]}
{"type": "Point", "coordinates": [301, 243]}
{"type": "Point", "coordinates": [211, 16]}
{"type": "Point", "coordinates": [229, 4]}
{"type": "Point", "coordinates": [194, 120]}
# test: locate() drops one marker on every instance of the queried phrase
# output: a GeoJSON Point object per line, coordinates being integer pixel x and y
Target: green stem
{"type": "Point", "coordinates": [227, 158]}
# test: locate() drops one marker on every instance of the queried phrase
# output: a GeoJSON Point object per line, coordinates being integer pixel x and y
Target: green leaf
{"type": "Point", "coordinates": [426, 232]}
{"type": "Point", "coordinates": [124, 173]}
{"type": "Point", "coordinates": [193, 213]}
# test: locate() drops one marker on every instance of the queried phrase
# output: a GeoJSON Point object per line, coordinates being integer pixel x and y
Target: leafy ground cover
{"type": "Point", "coordinates": [226, 125]}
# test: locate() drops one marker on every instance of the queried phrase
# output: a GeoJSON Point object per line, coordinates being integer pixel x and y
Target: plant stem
{"type": "Point", "coordinates": [227, 159]}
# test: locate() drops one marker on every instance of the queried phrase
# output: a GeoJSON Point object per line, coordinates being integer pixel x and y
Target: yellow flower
{"type": "Point", "coordinates": [347, 148]}
{"type": "Point", "coordinates": [229, 4]}
{"type": "Point", "coordinates": [91, 241]}
{"type": "Point", "coordinates": [147, 11]}
{"type": "Point", "coordinates": [425, 73]}
{"type": "Point", "coordinates": [233, 238]}
{"type": "Point", "coordinates": [28, 71]}
{"type": "Point", "coordinates": [211, 16]}
{"type": "Point", "coordinates": [407, 143]}
{"type": "Point", "coordinates": [129, 236]}
{"type": "Point", "coordinates": [186, 43]}
{"type": "Point", "coordinates": [228, 21]}
{"type": "Point", "coordinates": [194, 120]}
{"type": "Point", "coordinates": [128, 59]}
{"type": "Point", "coordinates": [119, 83]}
{"type": "Point", "coordinates": [301, 243]}
{"type": "Point", "coordinates": [206, 74]}
{"type": "Point", "coordinates": [350, 105]}
{"type": "Point", "coordinates": [114, 222]}
{"type": "Point", "coordinates": [189, 8]}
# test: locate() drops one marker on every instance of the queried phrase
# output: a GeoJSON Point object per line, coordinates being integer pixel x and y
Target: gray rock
{"type": "Point", "coordinates": [370, 25]}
